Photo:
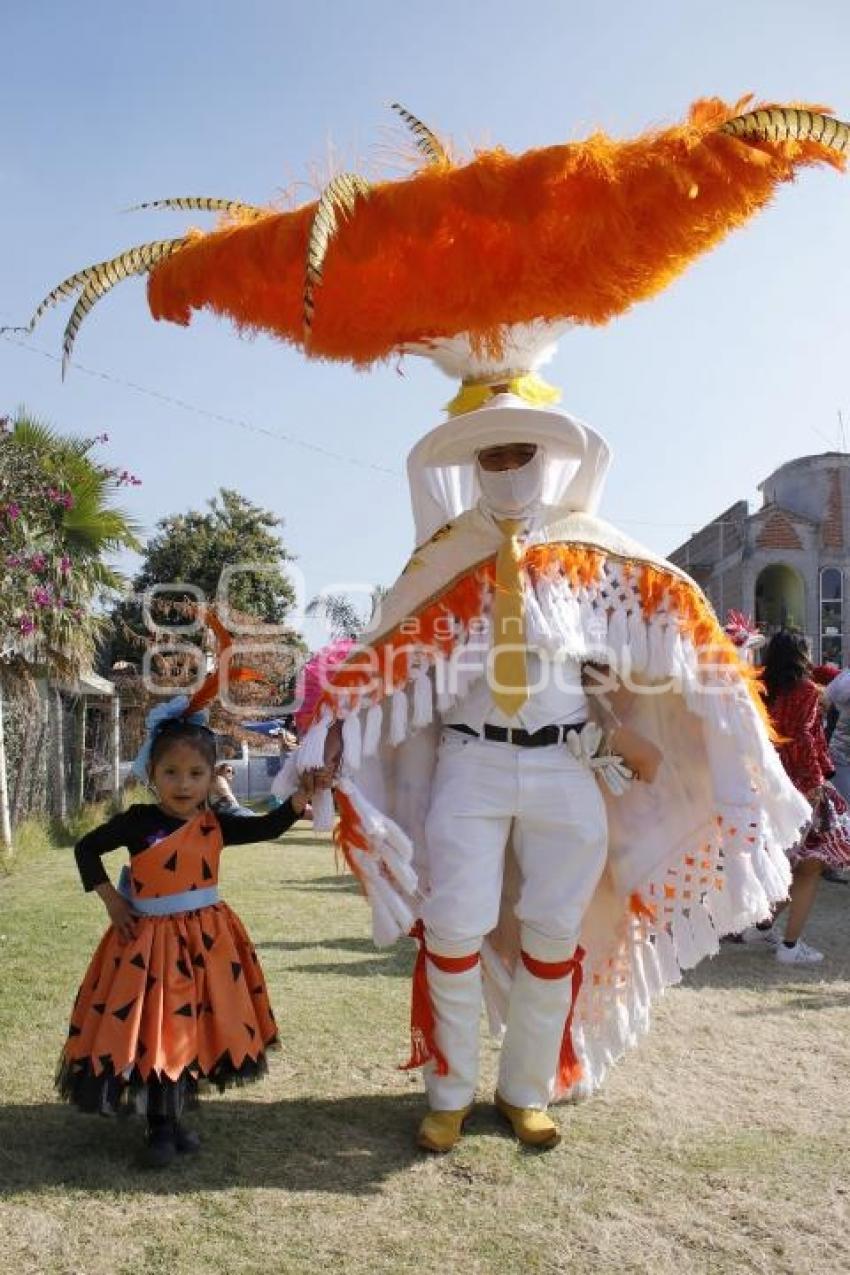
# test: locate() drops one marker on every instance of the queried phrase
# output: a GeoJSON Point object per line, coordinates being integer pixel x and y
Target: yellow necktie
{"type": "Point", "coordinates": [509, 677]}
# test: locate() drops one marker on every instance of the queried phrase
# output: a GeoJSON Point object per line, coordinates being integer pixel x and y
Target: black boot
{"type": "Point", "coordinates": [186, 1141]}
{"type": "Point", "coordinates": [160, 1149]}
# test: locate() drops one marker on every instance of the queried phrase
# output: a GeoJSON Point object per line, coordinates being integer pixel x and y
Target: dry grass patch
{"type": "Point", "coordinates": [720, 1146]}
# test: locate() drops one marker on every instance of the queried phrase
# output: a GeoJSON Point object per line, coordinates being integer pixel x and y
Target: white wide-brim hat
{"type": "Point", "coordinates": [443, 476]}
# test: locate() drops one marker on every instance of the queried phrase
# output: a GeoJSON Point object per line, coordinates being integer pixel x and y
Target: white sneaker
{"type": "Point", "coordinates": [760, 938]}
{"type": "Point", "coordinates": [799, 954]}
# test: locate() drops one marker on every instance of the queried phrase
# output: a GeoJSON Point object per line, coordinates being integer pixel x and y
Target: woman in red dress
{"type": "Point", "coordinates": [794, 702]}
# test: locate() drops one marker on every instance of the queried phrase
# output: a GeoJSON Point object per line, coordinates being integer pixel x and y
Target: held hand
{"type": "Point", "coordinates": [639, 753]}
{"type": "Point", "coordinates": [324, 776]}
{"type": "Point", "coordinates": [122, 916]}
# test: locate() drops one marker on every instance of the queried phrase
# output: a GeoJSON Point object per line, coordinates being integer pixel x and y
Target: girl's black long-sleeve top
{"type": "Point", "coordinates": [141, 826]}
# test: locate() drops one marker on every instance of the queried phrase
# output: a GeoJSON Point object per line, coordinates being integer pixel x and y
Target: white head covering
{"type": "Point", "coordinates": [443, 474]}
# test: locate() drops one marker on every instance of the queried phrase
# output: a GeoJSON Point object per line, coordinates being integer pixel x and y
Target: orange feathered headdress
{"type": "Point", "coordinates": [572, 233]}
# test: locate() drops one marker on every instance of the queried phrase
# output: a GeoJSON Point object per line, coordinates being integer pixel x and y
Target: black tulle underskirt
{"type": "Point", "coordinates": [105, 1093]}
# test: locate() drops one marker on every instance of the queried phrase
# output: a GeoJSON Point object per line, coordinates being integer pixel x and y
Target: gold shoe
{"type": "Point", "coordinates": [440, 1130]}
{"type": "Point", "coordinates": [534, 1128]}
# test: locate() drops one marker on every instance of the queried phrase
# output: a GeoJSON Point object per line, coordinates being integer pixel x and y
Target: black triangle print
{"type": "Point", "coordinates": [182, 940]}
{"type": "Point", "coordinates": [199, 962]}
{"type": "Point", "coordinates": [193, 886]}
{"type": "Point", "coordinates": [185, 1010]}
{"type": "Point", "coordinates": [183, 968]}
{"type": "Point", "coordinates": [117, 960]}
{"type": "Point", "coordinates": [206, 870]}
{"type": "Point", "coordinates": [151, 981]}
{"type": "Point", "coordinates": [73, 1031]}
{"type": "Point", "coordinates": [208, 1008]}
{"type": "Point", "coordinates": [208, 940]}
{"type": "Point", "coordinates": [141, 1049]}
{"type": "Point", "coordinates": [254, 957]}
{"type": "Point", "coordinates": [124, 1011]}
{"type": "Point", "coordinates": [138, 960]}
{"type": "Point", "coordinates": [250, 1030]}
{"type": "Point", "coordinates": [206, 829]}
{"type": "Point", "coordinates": [236, 968]}
{"type": "Point", "coordinates": [138, 886]}
{"type": "Point", "coordinates": [170, 864]}
{"type": "Point", "coordinates": [99, 1007]}
{"type": "Point", "coordinates": [257, 991]}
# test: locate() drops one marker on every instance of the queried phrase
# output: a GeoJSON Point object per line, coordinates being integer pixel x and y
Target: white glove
{"type": "Point", "coordinates": [610, 767]}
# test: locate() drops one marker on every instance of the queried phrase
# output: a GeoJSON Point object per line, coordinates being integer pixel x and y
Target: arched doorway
{"type": "Point", "coordinates": [780, 598]}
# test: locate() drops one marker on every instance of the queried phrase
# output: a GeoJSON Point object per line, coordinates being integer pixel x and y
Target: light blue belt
{"type": "Point", "coordinates": [185, 901]}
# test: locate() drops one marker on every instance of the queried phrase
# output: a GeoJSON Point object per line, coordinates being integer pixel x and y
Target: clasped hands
{"type": "Point", "coordinates": [312, 781]}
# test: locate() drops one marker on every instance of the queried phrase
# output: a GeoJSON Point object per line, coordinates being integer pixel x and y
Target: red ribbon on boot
{"type": "Point", "coordinates": [423, 1046]}
{"type": "Point", "coordinates": [569, 1067]}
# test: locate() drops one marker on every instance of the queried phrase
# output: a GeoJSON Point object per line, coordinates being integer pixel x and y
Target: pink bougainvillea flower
{"type": "Point", "coordinates": [41, 596]}
{"type": "Point", "coordinates": [26, 624]}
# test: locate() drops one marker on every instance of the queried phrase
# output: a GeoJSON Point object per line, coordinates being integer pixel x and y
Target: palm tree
{"type": "Point", "coordinates": [341, 615]}
{"type": "Point", "coordinates": [57, 523]}
{"type": "Point", "coordinates": [65, 526]}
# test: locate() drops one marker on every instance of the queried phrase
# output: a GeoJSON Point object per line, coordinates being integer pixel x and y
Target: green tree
{"type": "Point", "coordinates": [194, 549]}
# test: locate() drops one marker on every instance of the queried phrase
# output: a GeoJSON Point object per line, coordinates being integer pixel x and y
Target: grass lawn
{"type": "Point", "coordinates": [721, 1145]}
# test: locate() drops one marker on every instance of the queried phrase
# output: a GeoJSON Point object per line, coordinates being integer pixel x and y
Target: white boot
{"type": "Point", "coordinates": [537, 1012]}
{"type": "Point", "coordinates": [456, 998]}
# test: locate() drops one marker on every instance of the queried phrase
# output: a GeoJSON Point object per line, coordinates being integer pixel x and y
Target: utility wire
{"type": "Point", "coordinates": [250, 427]}
{"type": "Point", "coordinates": [205, 412]}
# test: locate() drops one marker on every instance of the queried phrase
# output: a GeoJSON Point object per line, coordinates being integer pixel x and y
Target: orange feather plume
{"type": "Point", "coordinates": [211, 685]}
{"type": "Point", "coordinates": [578, 232]}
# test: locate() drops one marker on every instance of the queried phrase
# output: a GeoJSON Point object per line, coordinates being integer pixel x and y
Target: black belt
{"type": "Point", "coordinates": [536, 739]}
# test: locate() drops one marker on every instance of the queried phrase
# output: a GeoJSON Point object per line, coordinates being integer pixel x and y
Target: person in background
{"type": "Point", "coordinates": [794, 703]}
{"type": "Point", "coordinates": [222, 798]}
{"type": "Point", "coordinates": [836, 698]}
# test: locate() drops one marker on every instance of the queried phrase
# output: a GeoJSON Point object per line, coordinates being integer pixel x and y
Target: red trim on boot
{"type": "Point", "coordinates": [423, 1045]}
{"type": "Point", "coordinates": [569, 1067]}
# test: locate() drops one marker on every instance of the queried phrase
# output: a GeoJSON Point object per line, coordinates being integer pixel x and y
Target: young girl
{"type": "Point", "coordinates": [175, 992]}
{"type": "Point", "coordinates": [794, 702]}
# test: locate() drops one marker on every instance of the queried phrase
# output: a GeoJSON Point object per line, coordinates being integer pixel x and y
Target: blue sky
{"type": "Point", "coordinates": [739, 366]}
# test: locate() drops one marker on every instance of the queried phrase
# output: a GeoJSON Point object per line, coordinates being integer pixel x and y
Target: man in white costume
{"type": "Point", "coordinates": [506, 772]}
{"type": "Point", "coordinates": [468, 792]}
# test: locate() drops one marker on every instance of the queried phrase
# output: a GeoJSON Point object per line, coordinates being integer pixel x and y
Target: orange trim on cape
{"type": "Point", "coordinates": [463, 601]}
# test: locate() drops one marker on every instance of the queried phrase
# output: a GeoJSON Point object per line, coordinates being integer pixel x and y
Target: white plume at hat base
{"type": "Point", "coordinates": [524, 348]}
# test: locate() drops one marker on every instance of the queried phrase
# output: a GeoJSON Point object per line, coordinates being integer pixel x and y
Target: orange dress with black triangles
{"type": "Point", "coordinates": [186, 999]}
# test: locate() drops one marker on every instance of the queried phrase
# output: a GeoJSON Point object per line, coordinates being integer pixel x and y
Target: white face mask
{"type": "Point", "coordinates": [509, 492]}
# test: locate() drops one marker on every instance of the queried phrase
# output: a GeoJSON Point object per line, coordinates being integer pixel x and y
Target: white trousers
{"type": "Point", "coordinates": [550, 804]}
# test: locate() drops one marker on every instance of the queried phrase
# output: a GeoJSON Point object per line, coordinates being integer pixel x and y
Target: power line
{"type": "Point", "coordinates": [185, 406]}
{"type": "Point", "coordinates": [252, 428]}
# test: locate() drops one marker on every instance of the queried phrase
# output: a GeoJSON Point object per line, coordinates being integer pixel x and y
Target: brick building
{"type": "Point", "coordinates": [787, 562]}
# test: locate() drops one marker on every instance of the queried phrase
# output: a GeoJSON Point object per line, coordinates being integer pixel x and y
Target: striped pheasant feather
{"type": "Point", "coordinates": [786, 123]}
{"type": "Point", "coordinates": [203, 203]}
{"type": "Point", "coordinates": [336, 201]}
{"type": "Point", "coordinates": [95, 281]}
{"type": "Point", "coordinates": [429, 144]}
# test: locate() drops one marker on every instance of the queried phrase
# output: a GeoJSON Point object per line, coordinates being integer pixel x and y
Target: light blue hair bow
{"type": "Point", "coordinates": [172, 708]}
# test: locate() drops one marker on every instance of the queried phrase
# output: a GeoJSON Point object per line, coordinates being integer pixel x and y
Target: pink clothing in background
{"type": "Point", "coordinates": [313, 678]}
